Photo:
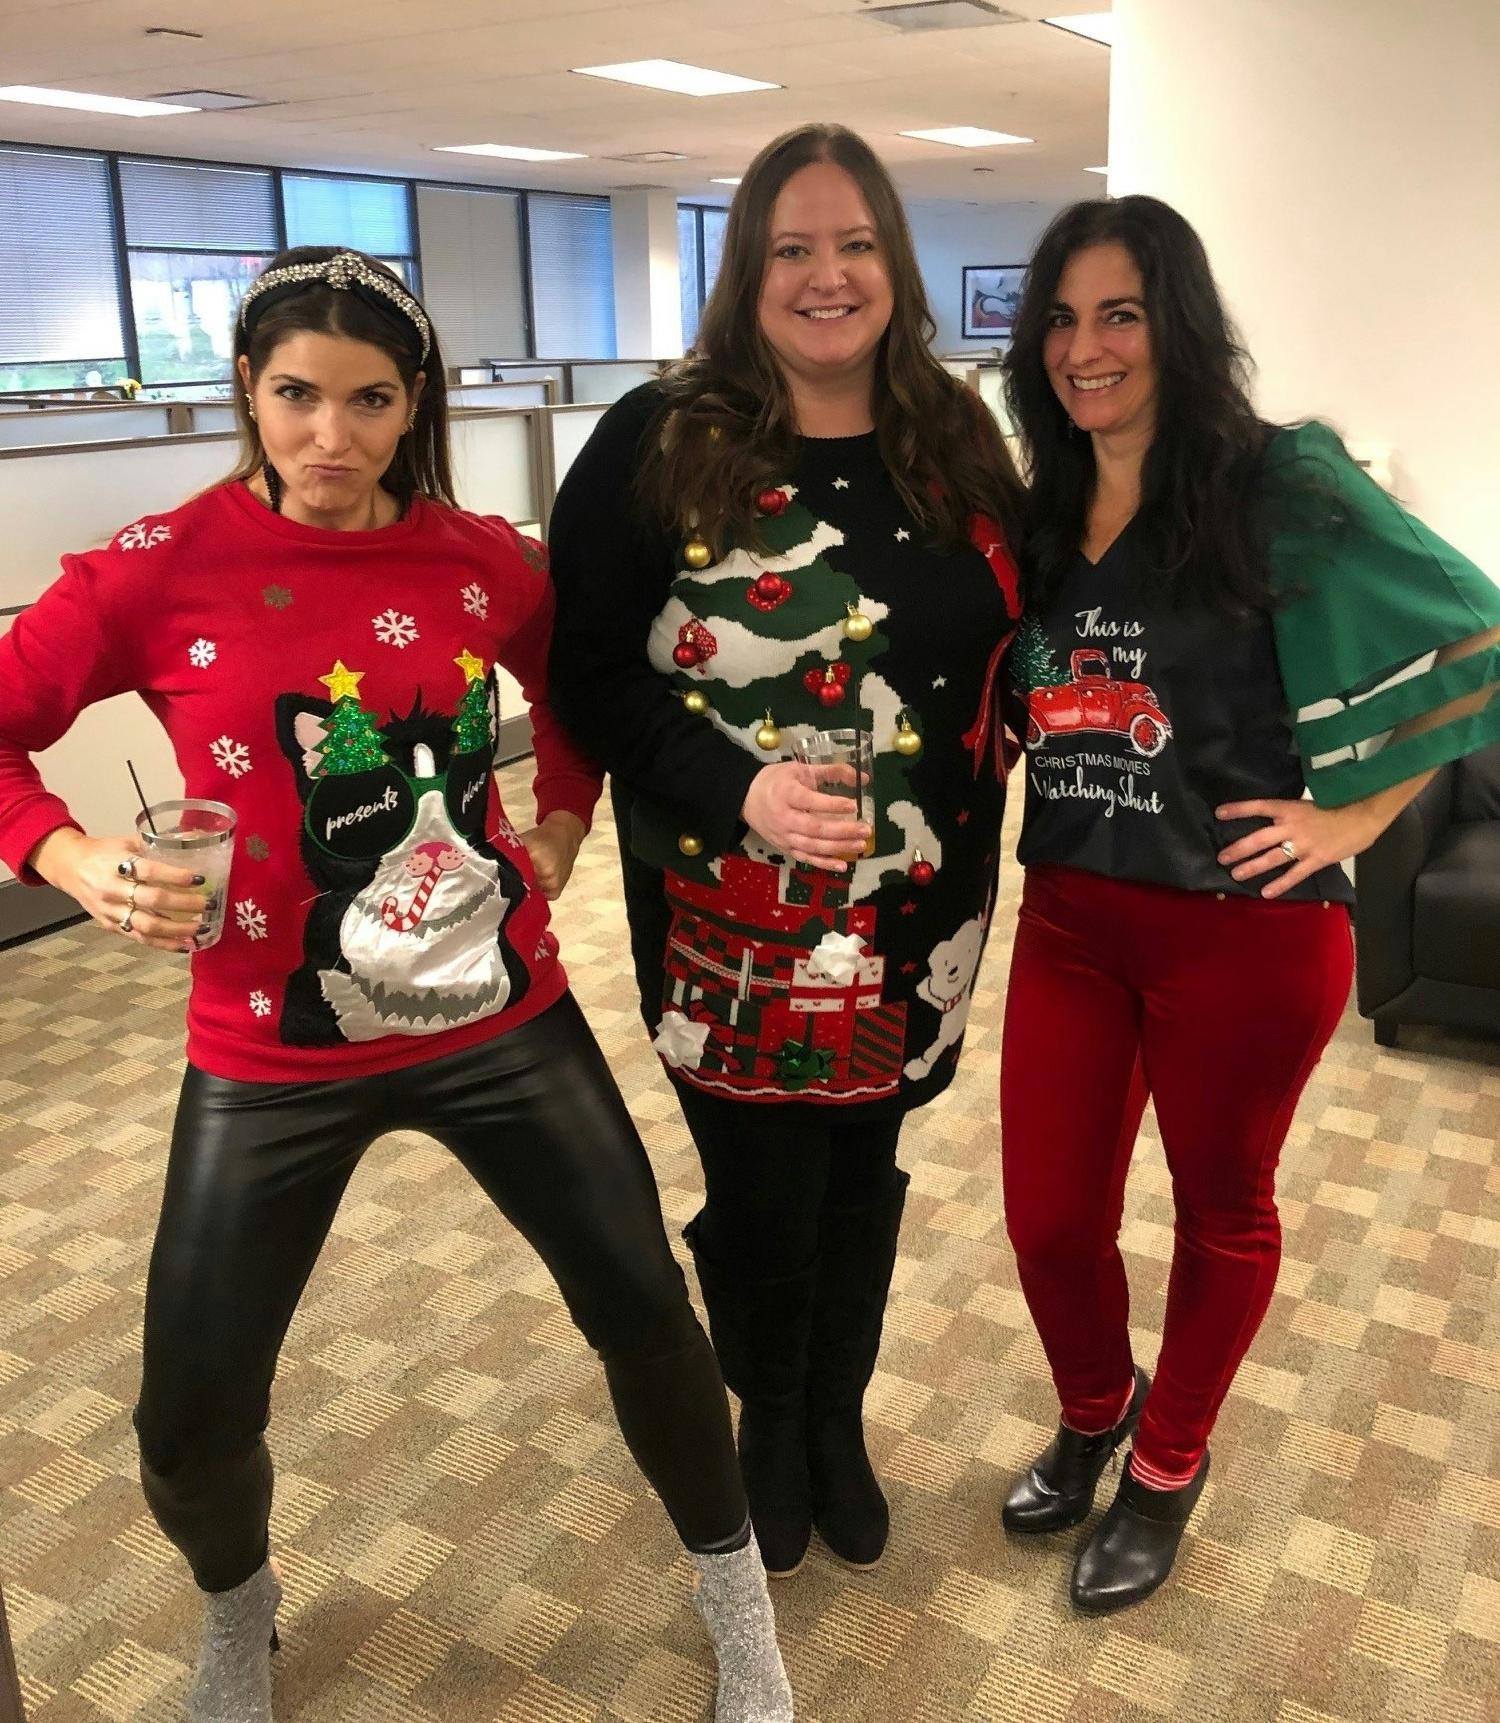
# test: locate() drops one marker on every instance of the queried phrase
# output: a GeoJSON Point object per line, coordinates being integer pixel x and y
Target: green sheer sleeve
{"type": "Point", "coordinates": [1367, 595]}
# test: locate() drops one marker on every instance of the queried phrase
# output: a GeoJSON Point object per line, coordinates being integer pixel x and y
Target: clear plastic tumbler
{"type": "Point", "coordinates": [199, 836]}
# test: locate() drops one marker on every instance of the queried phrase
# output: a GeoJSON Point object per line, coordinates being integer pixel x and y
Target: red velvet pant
{"type": "Point", "coordinates": [1223, 1006]}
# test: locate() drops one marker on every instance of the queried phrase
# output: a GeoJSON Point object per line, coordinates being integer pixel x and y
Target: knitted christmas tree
{"type": "Point", "coordinates": [781, 643]}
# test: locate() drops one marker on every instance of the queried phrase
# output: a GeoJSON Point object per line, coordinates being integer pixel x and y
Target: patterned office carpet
{"type": "Point", "coordinates": [463, 1538]}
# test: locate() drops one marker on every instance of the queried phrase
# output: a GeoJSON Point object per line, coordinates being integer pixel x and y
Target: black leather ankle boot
{"type": "Point", "coordinates": [1134, 1545]}
{"type": "Point", "coordinates": [1058, 1490]}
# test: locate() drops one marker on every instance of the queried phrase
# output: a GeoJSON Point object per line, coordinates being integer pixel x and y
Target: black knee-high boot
{"type": "Point", "coordinates": [857, 1258]}
{"type": "Point", "coordinates": [760, 1332]}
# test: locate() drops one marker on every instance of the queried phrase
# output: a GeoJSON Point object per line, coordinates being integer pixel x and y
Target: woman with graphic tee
{"type": "Point", "coordinates": [1222, 614]}
{"type": "Point", "coordinates": [319, 635]}
{"type": "Point", "coordinates": [801, 528]}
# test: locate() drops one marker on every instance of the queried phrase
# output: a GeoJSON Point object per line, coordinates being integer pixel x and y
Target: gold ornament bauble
{"type": "Point", "coordinates": [858, 626]}
{"type": "Point", "coordinates": [906, 740]}
{"type": "Point", "coordinates": [696, 554]}
{"type": "Point", "coordinates": [690, 844]}
{"type": "Point", "coordinates": [768, 737]}
{"type": "Point", "coordinates": [696, 701]}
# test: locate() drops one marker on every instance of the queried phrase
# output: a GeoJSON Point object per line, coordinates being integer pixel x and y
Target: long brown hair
{"type": "Point", "coordinates": [729, 430]}
{"type": "Point", "coordinates": [422, 464]}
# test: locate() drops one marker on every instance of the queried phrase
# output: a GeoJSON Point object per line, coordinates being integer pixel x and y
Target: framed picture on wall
{"type": "Point", "coordinates": [992, 291]}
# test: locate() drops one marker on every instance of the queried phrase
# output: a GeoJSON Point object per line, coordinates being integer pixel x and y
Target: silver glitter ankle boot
{"type": "Point", "coordinates": [736, 1608]}
{"type": "Point", "coordinates": [233, 1683]}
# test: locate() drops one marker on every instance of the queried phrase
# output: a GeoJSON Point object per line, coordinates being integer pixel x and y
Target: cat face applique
{"type": "Point", "coordinates": [407, 935]}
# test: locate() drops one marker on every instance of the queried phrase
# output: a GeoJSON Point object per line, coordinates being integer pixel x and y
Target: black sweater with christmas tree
{"type": "Point", "coordinates": [765, 980]}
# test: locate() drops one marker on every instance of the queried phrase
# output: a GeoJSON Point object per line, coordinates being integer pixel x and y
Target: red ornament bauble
{"type": "Point", "coordinates": [831, 693]}
{"type": "Point", "coordinates": [771, 502]}
{"type": "Point", "coordinates": [685, 656]}
{"type": "Point", "coordinates": [770, 587]}
{"type": "Point", "coordinates": [921, 872]}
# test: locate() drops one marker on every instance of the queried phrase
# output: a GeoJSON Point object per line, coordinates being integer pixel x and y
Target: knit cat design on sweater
{"type": "Point", "coordinates": [407, 935]}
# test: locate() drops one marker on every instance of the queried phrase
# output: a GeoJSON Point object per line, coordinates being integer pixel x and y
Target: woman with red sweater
{"type": "Point", "coordinates": [319, 635]}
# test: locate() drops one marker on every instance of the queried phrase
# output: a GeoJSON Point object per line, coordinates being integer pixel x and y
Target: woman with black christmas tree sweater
{"type": "Point", "coordinates": [1224, 616]}
{"type": "Point", "coordinates": [319, 636]}
{"type": "Point", "coordinates": [803, 527]}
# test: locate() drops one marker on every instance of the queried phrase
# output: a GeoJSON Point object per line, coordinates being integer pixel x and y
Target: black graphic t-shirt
{"type": "Point", "coordinates": [1142, 720]}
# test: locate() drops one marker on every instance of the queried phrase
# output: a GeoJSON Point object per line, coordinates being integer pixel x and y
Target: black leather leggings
{"type": "Point", "coordinates": [254, 1178]}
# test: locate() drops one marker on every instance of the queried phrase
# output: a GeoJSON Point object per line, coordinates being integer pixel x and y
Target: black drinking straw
{"type": "Point", "coordinates": [142, 794]}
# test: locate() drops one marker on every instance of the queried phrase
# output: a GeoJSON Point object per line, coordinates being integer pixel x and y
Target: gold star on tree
{"type": "Point", "coordinates": [472, 667]}
{"type": "Point", "coordinates": [341, 682]}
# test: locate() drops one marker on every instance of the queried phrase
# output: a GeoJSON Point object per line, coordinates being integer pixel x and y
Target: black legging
{"type": "Point", "coordinates": [775, 1175]}
{"type": "Point", "coordinates": [254, 1179]}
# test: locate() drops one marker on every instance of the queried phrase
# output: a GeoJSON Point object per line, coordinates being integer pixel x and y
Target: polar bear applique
{"type": "Point", "coordinates": [947, 985]}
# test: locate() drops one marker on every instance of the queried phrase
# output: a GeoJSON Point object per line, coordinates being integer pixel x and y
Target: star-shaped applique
{"type": "Point", "coordinates": [964, 817]}
{"type": "Point", "coordinates": [902, 535]}
{"type": "Point", "coordinates": [940, 681]}
{"type": "Point", "coordinates": [841, 484]}
{"type": "Point", "coordinates": [908, 908]}
{"type": "Point", "coordinates": [908, 968]}
{"type": "Point", "coordinates": [342, 682]}
{"type": "Point", "coordinates": [472, 667]}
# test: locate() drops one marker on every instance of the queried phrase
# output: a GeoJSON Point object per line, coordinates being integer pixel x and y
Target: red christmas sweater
{"type": "Point", "coordinates": [338, 691]}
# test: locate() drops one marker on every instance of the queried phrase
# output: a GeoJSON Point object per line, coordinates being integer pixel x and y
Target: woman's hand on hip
{"type": "Point", "coordinates": [111, 879]}
{"type": "Point", "coordinates": [788, 810]}
{"type": "Point", "coordinates": [1299, 838]}
{"type": "Point", "coordinates": [553, 847]}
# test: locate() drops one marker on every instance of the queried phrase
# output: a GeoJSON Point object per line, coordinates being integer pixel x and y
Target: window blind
{"type": "Point", "coordinates": [572, 276]}
{"type": "Point", "coordinates": [367, 214]}
{"type": "Point", "coordinates": [188, 206]}
{"type": "Point", "coordinates": [59, 293]}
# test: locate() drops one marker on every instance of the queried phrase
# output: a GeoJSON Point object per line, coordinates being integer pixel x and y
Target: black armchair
{"type": "Point", "coordinates": [1428, 909]}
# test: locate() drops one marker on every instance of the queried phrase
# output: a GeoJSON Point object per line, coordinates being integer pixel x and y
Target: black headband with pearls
{"type": "Point", "coordinates": [346, 271]}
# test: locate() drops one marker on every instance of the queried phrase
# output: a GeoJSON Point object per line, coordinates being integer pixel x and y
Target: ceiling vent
{"type": "Point", "coordinates": [650, 156]}
{"type": "Point", "coordinates": [942, 15]}
{"type": "Point", "coordinates": [212, 101]}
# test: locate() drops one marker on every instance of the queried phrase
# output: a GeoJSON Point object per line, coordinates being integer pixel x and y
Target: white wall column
{"type": "Point", "coordinates": [648, 285]}
{"type": "Point", "coordinates": [1341, 162]}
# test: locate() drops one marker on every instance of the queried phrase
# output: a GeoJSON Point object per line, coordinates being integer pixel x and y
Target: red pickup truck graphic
{"type": "Point", "coordinates": [1095, 700]}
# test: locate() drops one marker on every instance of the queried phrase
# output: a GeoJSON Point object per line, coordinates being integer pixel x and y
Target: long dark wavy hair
{"type": "Point", "coordinates": [1202, 513]}
{"type": "Point", "coordinates": [728, 429]}
{"type": "Point", "coordinates": [422, 464]}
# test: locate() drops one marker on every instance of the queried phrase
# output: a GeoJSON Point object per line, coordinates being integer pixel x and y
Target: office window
{"type": "Point", "coordinates": [196, 236]}
{"type": "Point", "coordinates": [369, 215]}
{"type": "Point", "coordinates": [59, 286]}
{"type": "Point", "coordinates": [700, 246]}
{"type": "Point", "coordinates": [572, 276]}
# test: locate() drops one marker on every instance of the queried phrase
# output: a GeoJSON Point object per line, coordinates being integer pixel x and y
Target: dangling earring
{"type": "Point", "coordinates": [411, 423]}
{"type": "Point", "coordinates": [250, 406]}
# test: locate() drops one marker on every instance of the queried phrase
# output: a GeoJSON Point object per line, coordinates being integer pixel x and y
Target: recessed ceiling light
{"type": "Point", "coordinates": [673, 75]}
{"type": "Point", "coordinates": [509, 152]}
{"type": "Point", "coordinates": [1096, 170]}
{"type": "Point", "coordinates": [651, 156]}
{"type": "Point", "coordinates": [90, 104]}
{"type": "Point", "coordinates": [966, 137]}
{"type": "Point", "coordinates": [717, 181]}
{"type": "Point", "coordinates": [942, 15]}
{"type": "Point", "coordinates": [1096, 26]}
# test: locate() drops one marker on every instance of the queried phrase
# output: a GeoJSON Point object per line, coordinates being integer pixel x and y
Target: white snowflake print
{"type": "Point", "coordinates": [902, 535]}
{"type": "Point", "coordinates": [841, 484]}
{"type": "Point", "coordinates": [394, 630]}
{"type": "Point", "coordinates": [202, 653]}
{"type": "Point", "coordinates": [143, 537]}
{"type": "Point", "coordinates": [940, 681]}
{"type": "Point", "coordinates": [260, 1004]}
{"type": "Point", "coordinates": [476, 600]}
{"type": "Point", "coordinates": [230, 756]}
{"type": "Point", "coordinates": [251, 918]}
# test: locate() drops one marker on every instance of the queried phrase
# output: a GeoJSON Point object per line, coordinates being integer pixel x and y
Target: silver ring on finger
{"type": "Point", "coordinates": [1288, 849]}
{"type": "Point", "coordinates": [135, 886]}
{"type": "Point", "coordinates": [126, 868]}
{"type": "Point", "coordinates": [126, 919]}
